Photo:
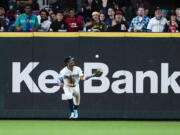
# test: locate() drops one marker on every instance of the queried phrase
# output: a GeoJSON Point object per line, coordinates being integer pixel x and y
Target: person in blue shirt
{"type": "Point", "coordinates": [27, 22]}
{"type": "Point", "coordinates": [140, 22]}
{"type": "Point", "coordinates": [111, 15]}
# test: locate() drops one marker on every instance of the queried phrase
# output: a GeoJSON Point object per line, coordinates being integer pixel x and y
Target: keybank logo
{"type": "Point", "coordinates": [121, 77]}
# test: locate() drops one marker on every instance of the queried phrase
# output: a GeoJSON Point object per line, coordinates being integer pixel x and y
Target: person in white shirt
{"type": "Point", "coordinates": [69, 79]}
{"type": "Point", "coordinates": [43, 21]}
{"type": "Point", "coordinates": [157, 23]}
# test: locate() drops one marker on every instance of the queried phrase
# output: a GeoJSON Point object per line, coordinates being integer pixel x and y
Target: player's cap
{"type": "Point", "coordinates": [95, 13]}
{"type": "Point", "coordinates": [68, 59]}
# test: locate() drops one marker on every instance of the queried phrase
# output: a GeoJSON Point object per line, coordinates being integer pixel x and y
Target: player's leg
{"type": "Point", "coordinates": [71, 107]}
{"type": "Point", "coordinates": [76, 97]}
{"type": "Point", "coordinates": [69, 96]}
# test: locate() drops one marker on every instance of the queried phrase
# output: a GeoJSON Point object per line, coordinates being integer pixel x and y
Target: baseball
{"type": "Point", "coordinates": [96, 56]}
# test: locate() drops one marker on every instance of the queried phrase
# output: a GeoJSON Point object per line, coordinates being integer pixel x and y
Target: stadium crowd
{"type": "Point", "coordinates": [86, 16]}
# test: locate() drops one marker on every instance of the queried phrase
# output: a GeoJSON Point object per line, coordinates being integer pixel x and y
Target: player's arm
{"type": "Point", "coordinates": [82, 77]}
{"type": "Point", "coordinates": [60, 82]}
{"type": "Point", "coordinates": [97, 73]}
{"type": "Point", "coordinates": [85, 78]}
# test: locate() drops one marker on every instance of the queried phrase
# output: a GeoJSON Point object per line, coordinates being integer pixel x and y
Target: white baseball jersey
{"type": "Point", "coordinates": [65, 73]}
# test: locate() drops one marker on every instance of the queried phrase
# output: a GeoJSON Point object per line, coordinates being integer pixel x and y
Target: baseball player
{"type": "Point", "coordinates": [69, 79]}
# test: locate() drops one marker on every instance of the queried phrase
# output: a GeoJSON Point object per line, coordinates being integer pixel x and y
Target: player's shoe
{"type": "Point", "coordinates": [75, 114]}
{"type": "Point", "coordinates": [72, 115]}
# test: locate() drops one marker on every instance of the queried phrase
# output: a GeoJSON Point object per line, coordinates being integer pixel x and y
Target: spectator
{"type": "Point", "coordinates": [66, 14]}
{"type": "Point", "coordinates": [43, 21]}
{"type": "Point", "coordinates": [50, 11]}
{"type": "Point", "coordinates": [97, 26]}
{"type": "Point", "coordinates": [102, 18]}
{"type": "Point", "coordinates": [59, 25]}
{"type": "Point", "coordinates": [105, 3]}
{"type": "Point", "coordinates": [3, 22]}
{"type": "Point", "coordinates": [139, 3]}
{"type": "Point", "coordinates": [43, 4]}
{"type": "Point", "coordinates": [164, 13]}
{"type": "Point", "coordinates": [53, 17]}
{"type": "Point", "coordinates": [146, 12]}
{"type": "Point", "coordinates": [97, 5]}
{"type": "Point", "coordinates": [35, 5]}
{"type": "Point", "coordinates": [140, 22]}
{"type": "Point", "coordinates": [157, 23]}
{"type": "Point", "coordinates": [74, 24]}
{"type": "Point", "coordinates": [116, 3]}
{"type": "Point", "coordinates": [4, 4]}
{"type": "Point", "coordinates": [178, 17]}
{"type": "Point", "coordinates": [69, 4]}
{"type": "Point", "coordinates": [178, 14]}
{"type": "Point", "coordinates": [88, 8]}
{"type": "Point", "coordinates": [55, 5]}
{"type": "Point", "coordinates": [127, 10]}
{"type": "Point", "coordinates": [110, 17]}
{"type": "Point", "coordinates": [88, 25]}
{"type": "Point", "coordinates": [12, 27]}
{"type": "Point", "coordinates": [172, 25]}
{"type": "Point", "coordinates": [20, 4]}
{"type": "Point", "coordinates": [118, 25]}
{"type": "Point", "coordinates": [115, 6]}
{"type": "Point", "coordinates": [79, 9]}
{"type": "Point", "coordinates": [27, 21]}
{"type": "Point", "coordinates": [4, 19]}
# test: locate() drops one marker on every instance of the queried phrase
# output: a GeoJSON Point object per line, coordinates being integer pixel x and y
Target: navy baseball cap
{"type": "Point", "coordinates": [68, 59]}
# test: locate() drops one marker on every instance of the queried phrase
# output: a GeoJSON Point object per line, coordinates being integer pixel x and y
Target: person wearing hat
{"type": "Point", "coordinates": [140, 22]}
{"type": "Point", "coordinates": [172, 25]}
{"type": "Point", "coordinates": [158, 22]}
{"type": "Point", "coordinates": [164, 13]}
{"type": "Point", "coordinates": [97, 25]}
{"type": "Point", "coordinates": [69, 79]}
{"type": "Point", "coordinates": [118, 24]}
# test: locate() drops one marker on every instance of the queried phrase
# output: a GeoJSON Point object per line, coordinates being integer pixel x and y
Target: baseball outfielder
{"type": "Point", "coordinates": [69, 79]}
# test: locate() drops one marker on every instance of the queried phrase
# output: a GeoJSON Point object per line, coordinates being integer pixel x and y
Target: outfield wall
{"type": "Point", "coordinates": [140, 81]}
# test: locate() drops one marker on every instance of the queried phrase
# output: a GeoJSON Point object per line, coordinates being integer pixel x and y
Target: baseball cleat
{"type": "Point", "coordinates": [72, 115]}
{"type": "Point", "coordinates": [75, 114]}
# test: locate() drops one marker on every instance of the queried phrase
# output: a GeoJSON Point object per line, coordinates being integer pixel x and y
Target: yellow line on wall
{"type": "Point", "coordinates": [14, 34]}
{"type": "Point", "coordinates": [56, 34]}
{"type": "Point", "coordinates": [87, 34]}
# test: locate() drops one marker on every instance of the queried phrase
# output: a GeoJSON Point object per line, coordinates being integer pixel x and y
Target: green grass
{"type": "Point", "coordinates": [45, 127]}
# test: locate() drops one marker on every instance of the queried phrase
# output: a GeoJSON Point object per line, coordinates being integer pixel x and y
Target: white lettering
{"type": "Point", "coordinates": [88, 88]}
{"type": "Point", "coordinates": [128, 81]}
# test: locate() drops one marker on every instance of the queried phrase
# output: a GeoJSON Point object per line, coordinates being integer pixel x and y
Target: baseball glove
{"type": "Point", "coordinates": [98, 73]}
